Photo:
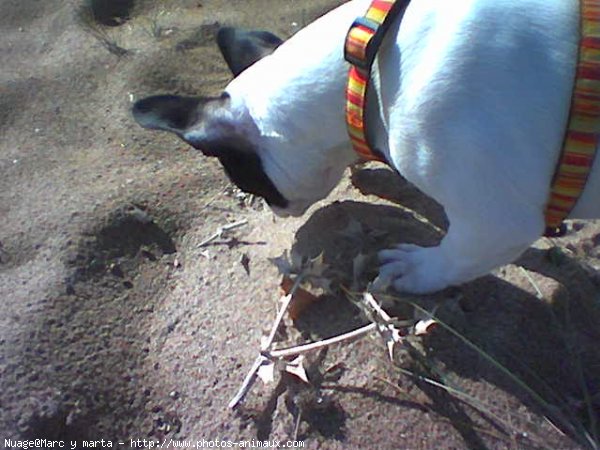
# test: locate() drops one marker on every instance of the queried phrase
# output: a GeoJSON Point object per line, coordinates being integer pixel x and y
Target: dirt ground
{"type": "Point", "coordinates": [118, 323]}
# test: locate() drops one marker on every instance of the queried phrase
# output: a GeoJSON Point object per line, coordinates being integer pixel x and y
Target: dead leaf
{"type": "Point", "coordinates": [266, 372]}
{"type": "Point", "coordinates": [316, 266]}
{"type": "Point", "coordinates": [424, 326]}
{"type": "Point", "coordinates": [324, 284]}
{"type": "Point", "coordinates": [334, 373]}
{"type": "Point", "coordinates": [296, 368]}
{"type": "Point", "coordinates": [283, 264]}
{"type": "Point", "coordinates": [297, 261]}
{"type": "Point", "coordinates": [301, 299]}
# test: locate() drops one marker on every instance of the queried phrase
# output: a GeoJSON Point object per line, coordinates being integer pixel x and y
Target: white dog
{"type": "Point", "coordinates": [473, 100]}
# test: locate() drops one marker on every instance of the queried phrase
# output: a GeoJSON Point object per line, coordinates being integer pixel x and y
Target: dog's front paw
{"type": "Point", "coordinates": [410, 268]}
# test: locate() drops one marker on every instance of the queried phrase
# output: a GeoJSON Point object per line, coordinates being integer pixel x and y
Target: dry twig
{"type": "Point", "coordinates": [261, 359]}
{"type": "Point", "coordinates": [381, 321]}
{"type": "Point", "coordinates": [217, 234]}
{"type": "Point", "coordinates": [305, 348]}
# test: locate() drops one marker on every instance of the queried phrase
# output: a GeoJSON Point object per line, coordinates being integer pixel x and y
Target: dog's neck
{"type": "Point", "coordinates": [297, 94]}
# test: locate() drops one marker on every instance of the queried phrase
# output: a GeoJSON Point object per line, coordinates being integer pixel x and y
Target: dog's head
{"type": "Point", "coordinates": [258, 162]}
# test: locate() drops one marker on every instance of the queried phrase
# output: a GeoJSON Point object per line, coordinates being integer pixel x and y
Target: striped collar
{"type": "Point", "coordinates": [582, 134]}
{"type": "Point", "coordinates": [362, 42]}
{"type": "Point", "coordinates": [583, 128]}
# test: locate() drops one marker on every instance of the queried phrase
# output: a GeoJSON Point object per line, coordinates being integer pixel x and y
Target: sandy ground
{"type": "Point", "coordinates": [118, 324]}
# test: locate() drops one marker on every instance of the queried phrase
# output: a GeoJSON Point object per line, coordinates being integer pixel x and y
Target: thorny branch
{"type": "Point", "coordinates": [381, 321]}
{"type": "Point", "coordinates": [261, 359]}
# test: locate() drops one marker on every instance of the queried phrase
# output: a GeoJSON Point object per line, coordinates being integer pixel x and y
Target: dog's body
{"type": "Point", "coordinates": [473, 100]}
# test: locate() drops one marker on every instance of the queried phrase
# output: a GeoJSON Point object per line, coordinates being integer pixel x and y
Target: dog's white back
{"type": "Point", "coordinates": [473, 100]}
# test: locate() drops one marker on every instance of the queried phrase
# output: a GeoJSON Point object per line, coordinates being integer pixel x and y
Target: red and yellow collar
{"type": "Point", "coordinates": [362, 42]}
{"type": "Point", "coordinates": [583, 129]}
{"type": "Point", "coordinates": [582, 134]}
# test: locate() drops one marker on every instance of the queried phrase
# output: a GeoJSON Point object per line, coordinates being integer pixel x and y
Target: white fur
{"type": "Point", "coordinates": [474, 98]}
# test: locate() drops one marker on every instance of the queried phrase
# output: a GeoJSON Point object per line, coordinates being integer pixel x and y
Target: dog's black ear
{"type": "Point", "coordinates": [184, 116]}
{"type": "Point", "coordinates": [242, 48]}
{"type": "Point", "coordinates": [166, 112]}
